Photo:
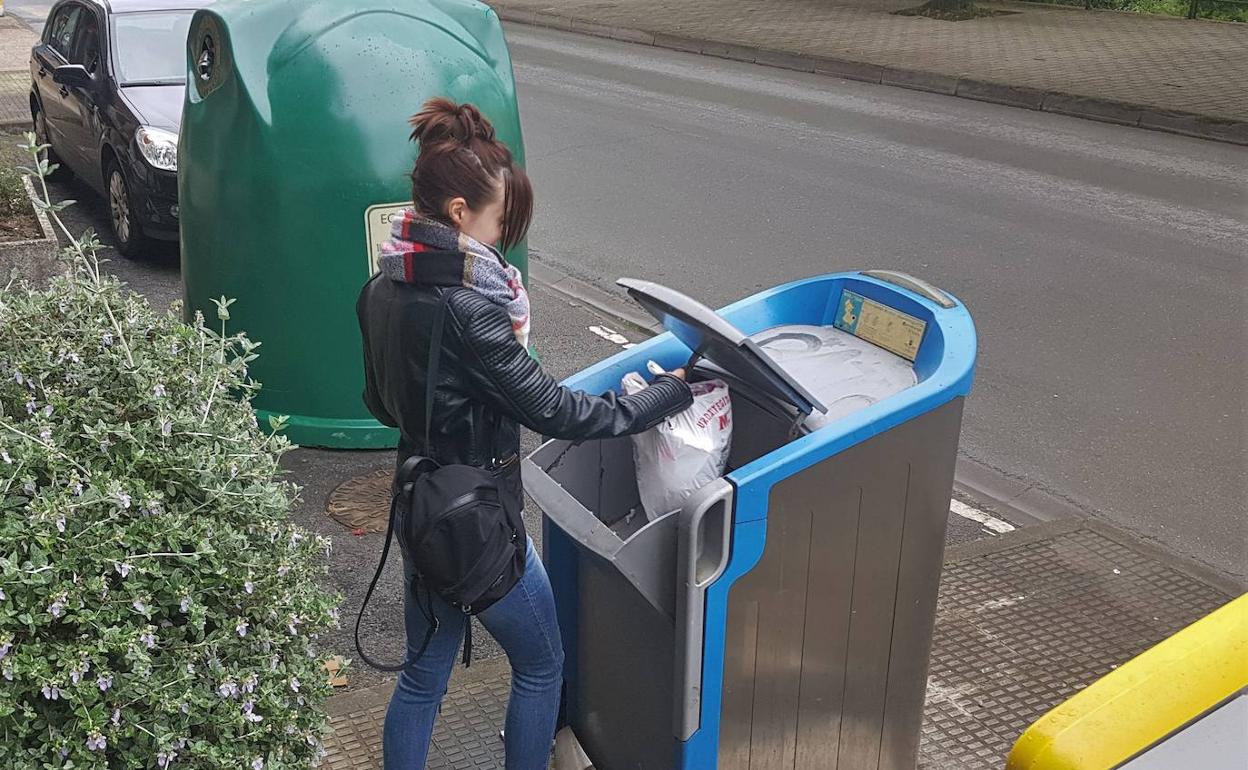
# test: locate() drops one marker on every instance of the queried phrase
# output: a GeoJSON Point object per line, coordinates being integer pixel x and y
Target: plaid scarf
{"type": "Point", "coordinates": [423, 250]}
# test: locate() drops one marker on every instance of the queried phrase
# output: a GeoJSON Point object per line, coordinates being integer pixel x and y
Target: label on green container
{"type": "Point", "coordinates": [377, 229]}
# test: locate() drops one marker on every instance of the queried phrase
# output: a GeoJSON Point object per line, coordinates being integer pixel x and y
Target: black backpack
{"type": "Point", "coordinates": [458, 525]}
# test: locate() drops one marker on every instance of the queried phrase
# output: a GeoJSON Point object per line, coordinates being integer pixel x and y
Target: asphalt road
{"type": "Point", "coordinates": [1104, 265]}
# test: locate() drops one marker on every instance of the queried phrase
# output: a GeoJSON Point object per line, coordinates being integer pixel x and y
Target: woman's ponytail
{"type": "Point", "coordinates": [442, 121]}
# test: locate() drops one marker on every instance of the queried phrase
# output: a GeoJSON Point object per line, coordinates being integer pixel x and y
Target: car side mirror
{"type": "Point", "coordinates": [74, 75]}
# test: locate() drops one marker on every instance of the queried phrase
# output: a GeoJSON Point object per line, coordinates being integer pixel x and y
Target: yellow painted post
{"type": "Point", "coordinates": [1145, 700]}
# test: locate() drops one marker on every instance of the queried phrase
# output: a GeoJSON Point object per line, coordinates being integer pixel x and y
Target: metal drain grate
{"type": "Point", "coordinates": [362, 502]}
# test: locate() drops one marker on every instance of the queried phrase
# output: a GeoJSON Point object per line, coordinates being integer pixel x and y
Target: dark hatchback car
{"type": "Point", "coordinates": [107, 83]}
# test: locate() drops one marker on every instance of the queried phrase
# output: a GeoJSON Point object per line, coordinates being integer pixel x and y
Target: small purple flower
{"type": "Point", "coordinates": [274, 662]}
{"type": "Point", "coordinates": [4, 649]}
{"type": "Point", "coordinates": [29, 488]}
{"type": "Point", "coordinates": [122, 568]}
{"type": "Point", "coordinates": [75, 676]}
{"type": "Point", "coordinates": [18, 377]}
{"type": "Point", "coordinates": [45, 435]}
{"type": "Point", "coordinates": [31, 406]}
{"type": "Point", "coordinates": [107, 339]}
{"type": "Point", "coordinates": [166, 428]}
{"type": "Point", "coordinates": [294, 684]}
{"type": "Point", "coordinates": [158, 391]}
{"type": "Point", "coordinates": [96, 742]}
{"type": "Point", "coordinates": [241, 628]}
{"type": "Point", "coordinates": [123, 500]}
{"type": "Point", "coordinates": [249, 684]}
{"type": "Point", "coordinates": [148, 640]}
{"type": "Point", "coordinates": [64, 752]}
{"type": "Point", "coordinates": [228, 689]}
{"type": "Point", "coordinates": [139, 606]}
{"type": "Point", "coordinates": [185, 708]}
{"type": "Point", "coordinates": [283, 571]}
{"type": "Point", "coordinates": [249, 587]}
{"type": "Point", "coordinates": [104, 681]}
{"type": "Point", "coordinates": [51, 692]}
{"type": "Point", "coordinates": [60, 524]}
{"type": "Point", "coordinates": [77, 489]}
{"type": "Point", "coordinates": [164, 758]}
{"type": "Point", "coordinates": [257, 764]}
{"type": "Point", "coordinates": [116, 717]}
{"type": "Point", "coordinates": [249, 715]}
{"type": "Point", "coordinates": [185, 604]}
{"type": "Point", "coordinates": [3, 595]}
{"type": "Point", "coordinates": [190, 668]}
{"type": "Point", "coordinates": [47, 411]}
{"type": "Point", "coordinates": [57, 607]}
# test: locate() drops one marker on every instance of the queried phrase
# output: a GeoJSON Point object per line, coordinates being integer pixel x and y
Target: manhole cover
{"type": "Point", "coordinates": [362, 502]}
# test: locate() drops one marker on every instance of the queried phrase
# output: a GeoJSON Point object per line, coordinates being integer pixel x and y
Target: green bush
{"type": "Point", "coordinates": [157, 607]}
{"type": "Point", "coordinates": [1208, 9]}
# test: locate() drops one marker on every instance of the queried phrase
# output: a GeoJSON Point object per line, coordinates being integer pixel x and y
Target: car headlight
{"type": "Point", "coordinates": [159, 147]}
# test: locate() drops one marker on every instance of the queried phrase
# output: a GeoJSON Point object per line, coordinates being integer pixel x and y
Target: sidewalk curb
{"type": "Point", "coordinates": [1090, 108]}
{"type": "Point", "coordinates": [572, 288]}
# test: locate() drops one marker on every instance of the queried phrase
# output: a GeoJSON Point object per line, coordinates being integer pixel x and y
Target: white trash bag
{"type": "Point", "coordinates": [686, 451]}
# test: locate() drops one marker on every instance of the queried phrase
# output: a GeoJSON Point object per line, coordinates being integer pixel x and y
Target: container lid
{"type": "Point", "coordinates": [711, 337]}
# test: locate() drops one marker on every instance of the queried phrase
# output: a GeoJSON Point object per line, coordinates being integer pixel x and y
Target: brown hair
{"type": "Point", "coordinates": [460, 158]}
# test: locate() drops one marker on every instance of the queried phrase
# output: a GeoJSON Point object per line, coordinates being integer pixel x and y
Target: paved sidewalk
{"type": "Point", "coordinates": [16, 40]}
{"type": "Point", "coordinates": [1157, 72]}
{"type": "Point", "coordinates": [1024, 621]}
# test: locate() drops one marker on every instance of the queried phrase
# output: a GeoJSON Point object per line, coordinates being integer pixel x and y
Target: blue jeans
{"type": "Point", "coordinates": [524, 624]}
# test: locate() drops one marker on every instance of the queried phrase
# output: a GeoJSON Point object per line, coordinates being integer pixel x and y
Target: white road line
{"type": "Point", "coordinates": [610, 335]}
{"type": "Point", "coordinates": [991, 523]}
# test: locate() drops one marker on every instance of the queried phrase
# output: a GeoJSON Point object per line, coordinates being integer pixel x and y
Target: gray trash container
{"type": "Point", "coordinates": [783, 617]}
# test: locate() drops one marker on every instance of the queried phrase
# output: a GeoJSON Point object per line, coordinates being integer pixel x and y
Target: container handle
{"type": "Point", "coordinates": [910, 283]}
{"type": "Point", "coordinates": [704, 540]}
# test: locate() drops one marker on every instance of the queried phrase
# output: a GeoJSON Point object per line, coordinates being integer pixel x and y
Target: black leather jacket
{"type": "Point", "coordinates": [487, 384]}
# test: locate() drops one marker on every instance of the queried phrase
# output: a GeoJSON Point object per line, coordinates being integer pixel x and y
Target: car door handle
{"type": "Point", "coordinates": [42, 72]}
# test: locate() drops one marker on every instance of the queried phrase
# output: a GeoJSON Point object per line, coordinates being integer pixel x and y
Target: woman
{"type": "Point", "coordinates": [469, 197]}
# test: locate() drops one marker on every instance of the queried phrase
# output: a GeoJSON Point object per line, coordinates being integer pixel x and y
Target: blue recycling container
{"type": "Point", "coordinates": [783, 617]}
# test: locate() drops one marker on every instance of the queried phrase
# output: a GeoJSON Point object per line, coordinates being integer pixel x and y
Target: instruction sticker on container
{"type": "Point", "coordinates": [879, 324]}
{"type": "Point", "coordinates": [377, 229]}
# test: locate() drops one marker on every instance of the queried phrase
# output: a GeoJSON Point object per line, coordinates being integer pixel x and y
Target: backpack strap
{"type": "Point", "coordinates": [403, 480]}
{"type": "Point", "coordinates": [431, 369]}
{"type": "Point", "coordinates": [428, 613]}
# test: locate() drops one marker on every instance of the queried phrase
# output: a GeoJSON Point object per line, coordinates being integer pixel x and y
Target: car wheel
{"type": "Point", "coordinates": [131, 241]}
{"type": "Point", "coordinates": [41, 136]}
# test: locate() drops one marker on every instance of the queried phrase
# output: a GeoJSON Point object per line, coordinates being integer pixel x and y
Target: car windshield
{"type": "Point", "coordinates": [151, 47]}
